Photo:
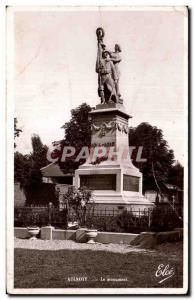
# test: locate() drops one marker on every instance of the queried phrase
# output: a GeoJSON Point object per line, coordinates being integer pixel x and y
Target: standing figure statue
{"type": "Point", "coordinates": [107, 75]}
{"type": "Point", "coordinates": [116, 59]}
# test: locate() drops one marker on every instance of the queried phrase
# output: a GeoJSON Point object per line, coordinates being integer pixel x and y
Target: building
{"type": "Point", "coordinates": [53, 174]}
{"type": "Point", "coordinates": [169, 194]}
{"type": "Point", "coordinates": [19, 195]}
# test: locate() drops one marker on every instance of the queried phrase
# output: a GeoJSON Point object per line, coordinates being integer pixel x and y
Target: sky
{"type": "Point", "coordinates": [54, 70]}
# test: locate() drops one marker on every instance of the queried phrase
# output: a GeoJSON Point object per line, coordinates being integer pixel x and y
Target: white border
{"type": "Point", "coordinates": [10, 116]}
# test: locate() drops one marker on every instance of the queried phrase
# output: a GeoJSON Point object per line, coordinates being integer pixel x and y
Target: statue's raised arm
{"type": "Point", "coordinates": [101, 47]}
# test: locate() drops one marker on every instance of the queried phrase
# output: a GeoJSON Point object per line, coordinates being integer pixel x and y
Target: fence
{"type": "Point", "coordinates": [133, 221]}
{"type": "Point", "coordinates": [112, 220]}
{"type": "Point", "coordinates": [39, 216]}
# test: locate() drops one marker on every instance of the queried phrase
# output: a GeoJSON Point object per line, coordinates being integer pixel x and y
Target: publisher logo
{"type": "Point", "coordinates": [164, 272]}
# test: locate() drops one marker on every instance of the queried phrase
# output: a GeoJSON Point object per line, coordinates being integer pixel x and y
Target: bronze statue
{"type": "Point", "coordinates": [116, 59]}
{"type": "Point", "coordinates": [107, 69]}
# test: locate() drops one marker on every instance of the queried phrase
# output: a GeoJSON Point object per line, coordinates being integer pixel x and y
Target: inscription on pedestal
{"type": "Point", "coordinates": [130, 183]}
{"type": "Point", "coordinates": [99, 182]}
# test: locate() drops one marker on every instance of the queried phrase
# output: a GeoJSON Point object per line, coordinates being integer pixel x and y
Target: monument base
{"type": "Point", "coordinates": [115, 182]}
{"type": "Point", "coordinates": [114, 186]}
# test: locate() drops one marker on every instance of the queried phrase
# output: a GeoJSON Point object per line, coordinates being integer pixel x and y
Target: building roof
{"type": "Point", "coordinates": [172, 187]}
{"type": "Point", "coordinates": [54, 170]}
{"type": "Point", "coordinates": [165, 187]}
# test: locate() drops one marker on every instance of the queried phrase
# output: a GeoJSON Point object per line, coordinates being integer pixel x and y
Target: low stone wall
{"type": "Point", "coordinates": [20, 232]}
{"type": "Point", "coordinates": [102, 237]}
{"type": "Point", "coordinates": [50, 233]}
{"type": "Point", "coordinates": [115, 238]}
{"type": "Point", "coordinates": [144, 239]}
{"type": "Point", "coordinates": [151, 239]}
{"type": "Point", "coordinates": [59, 234]}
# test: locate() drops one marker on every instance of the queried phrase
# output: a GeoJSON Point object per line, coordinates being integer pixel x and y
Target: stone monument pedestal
{"type": "Point", "coordinates": [109, 172]}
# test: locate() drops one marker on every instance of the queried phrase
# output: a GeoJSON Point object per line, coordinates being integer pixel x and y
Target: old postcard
{"type": "Point", "coordinates": [97, 155]}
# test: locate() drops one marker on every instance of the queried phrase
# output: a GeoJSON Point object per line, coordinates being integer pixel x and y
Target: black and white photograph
{"type": "Point", "coordinates": [97, 150]}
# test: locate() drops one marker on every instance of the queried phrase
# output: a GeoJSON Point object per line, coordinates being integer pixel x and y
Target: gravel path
{"type": "Point", "coordinates": [71, 245]}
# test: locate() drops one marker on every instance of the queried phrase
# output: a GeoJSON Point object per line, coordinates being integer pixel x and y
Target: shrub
{"type": "Point", "coordinates": [125, 222]}
{"type": "Point", "coordinates": [97, 222]}
{"type": "Point", "coordinates": [25, 217]}
{"type": "Point", "coordinates": [103, 223]}
{"type": "Point", "coordinates": [37, 216]}
{"type": "Point", "coordinates": [163, 219]}
{"type": "Point", "coordinates": [130, 222]}
{"type": "Point", "coordinates": [78, 200]}
{"type": "Point", "coordinates": [112, 225]}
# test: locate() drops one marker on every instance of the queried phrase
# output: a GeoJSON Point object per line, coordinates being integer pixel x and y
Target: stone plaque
{"type": "Point", "coordinates": [99, 182]}
{"type": "Point", "coordinates": [130, 183]}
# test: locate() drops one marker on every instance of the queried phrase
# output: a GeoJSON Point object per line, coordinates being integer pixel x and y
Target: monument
{"type": "Point", "coordinates": [109, 172]}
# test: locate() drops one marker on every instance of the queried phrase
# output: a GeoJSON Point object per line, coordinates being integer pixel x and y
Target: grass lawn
{"type": "Point", "coordinates": [61, 268]}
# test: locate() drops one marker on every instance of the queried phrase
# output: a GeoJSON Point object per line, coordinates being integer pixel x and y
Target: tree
{"type": "Point", "coordinates": [159, 156]}
{"type": "Point", "coordinates": [27, 167]}
{"type": "Point", "coordinates": [176, 175]}
{"type": "Point", "coordinates": [22, 168]}
{"type": "Point", "coordinates": [16, 130]}
{"type": "Point", "coordinates": [39, 160]}
{"type": "Point", "coordinates": [39, 151]}
{"type": "Point", "coordinates": [77, 134]}
{"type": "Point", "coordinates": [78, 129]}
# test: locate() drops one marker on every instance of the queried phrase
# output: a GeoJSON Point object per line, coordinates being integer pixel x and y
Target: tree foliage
{"type": "Point", "coordinates": [176, 175]}
{"type": "Point", "coordinates": [78, 129]}
{"type": "Point", "coordinates": [16, 130]}
{"type": "Point", "coordinates": [77, 134]}
{"type": "Point", "coordinates": [27, 167]}
{"type": "Point", "coordinates": [22, 168]}
{"type": "Point", "coordinates": [160, 157]}
{"type": "Point", "coordinates": [164, 219]}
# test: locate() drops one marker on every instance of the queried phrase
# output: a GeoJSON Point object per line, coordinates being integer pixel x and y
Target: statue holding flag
{"type": "Point", "coordinates": [108, 75]}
